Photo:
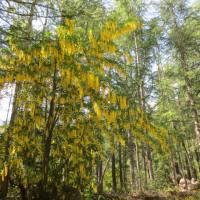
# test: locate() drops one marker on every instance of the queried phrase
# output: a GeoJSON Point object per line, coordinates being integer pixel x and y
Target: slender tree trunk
{"type": "Point", "coordinates": [114, 181]}
{"type": "Point", "coordinates": [131, 151]}
{"type": "Point", "coordinates": [50, 124]}
{"type": "Point", "coordinates": [139, 184]}
{"type": "Point", "coordinates": [99, 176]}
{"type": "Point", "coordinates": [174, 173]}
{"type": "Point", "coordinates": [144, 165]}
{"type": "Point", "coordinates": [124, 169]}
{"type": "Point", "coordinates": [149, 164]}
{"type": "Point", "coordinates": [120, 168]}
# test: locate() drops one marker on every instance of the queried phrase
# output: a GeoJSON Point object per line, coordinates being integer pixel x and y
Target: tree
{"type": "Point", "coordinates": [64, 95]}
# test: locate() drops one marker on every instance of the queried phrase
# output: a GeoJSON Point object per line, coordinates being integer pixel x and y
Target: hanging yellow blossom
{"type": "Point", "coordinates": [97, 110]}
{"type": "Point", "coordinates": [70, 24]}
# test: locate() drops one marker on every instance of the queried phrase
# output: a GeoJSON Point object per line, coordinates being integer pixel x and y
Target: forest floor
{"type": "Point", "coordinates": [174, 195]}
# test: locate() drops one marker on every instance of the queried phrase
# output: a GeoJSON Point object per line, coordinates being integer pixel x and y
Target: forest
{"type": "Point", "coordinates": [99, 100]}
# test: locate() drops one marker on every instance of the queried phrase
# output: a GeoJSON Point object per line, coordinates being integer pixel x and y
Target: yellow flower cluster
{"type": "Point", "coordinates": [72, 134]}
{"type": "Point", "coordinates": [4, 172]}
{"type": "Point", "coordinates": [67, 47]}
{"type": "Point", "coordinates": [107, 47]}
{"type": "Point", "coordinates": [93, 81]}
{"type": "Point", "coordinates": [129, 58]}
{"type": "Point", "coordinates": [97, 110]}
{"type": "Point", "coordinates": [110, 116]}
{"type": "Point", "coordinates": [70, 26]}
{"type": "Point", "coordinates": [92, 39]}
{"type": "Point", "coordinates": [120, 139]}
{"type": "Point", "coordinates": [113, 98]}
{"type": "Point", "coordinates": [111, 31]}
{"type": "Point", "coordinates": [122, 102]}
{"type": "Point", "coordinates": [6, 79]}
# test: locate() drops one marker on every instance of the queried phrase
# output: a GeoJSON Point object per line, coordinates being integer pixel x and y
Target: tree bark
{"type": "Point", "coordinates": [113, 167]}
{"type": "Point", "coordinates": [124, 158]}
{"type": "Point", "coordinates": [114, 181]}
{"type": "Point", "coordinates": [99, 176]}
{"type": "Point", "coordinates": [139, 183]}
{"type": "Point", "coordinates": [120, 168]}
{"type": "Point", "coordinates": [131, 151]}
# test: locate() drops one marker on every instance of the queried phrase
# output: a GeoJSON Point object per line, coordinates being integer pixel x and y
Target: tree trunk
{"type": "Point", "coordinates": [131, 151]}
{"type": "Point", "coordinates": [124, 158]}
{"type": "Point", "coordinates": [120, 168]}
{"type": "Point", "coordinates": [174, 171]}
{"type": "Point", "coordinates": [114, 181]}
{"type": "Point", "coordinates": [149, 164]}
{"type": "Point", "coordinates": [99, 176]}
{"type": "Point", "coordinates": [48, 134]}
{"type": "Point", "coordinates": [139, 184]}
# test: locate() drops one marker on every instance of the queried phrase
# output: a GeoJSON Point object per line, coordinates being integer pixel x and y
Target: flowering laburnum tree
{"type": "Point", "coordinates": [63, 103]}
{"type": "Point", "coordinates": [64, 106]}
